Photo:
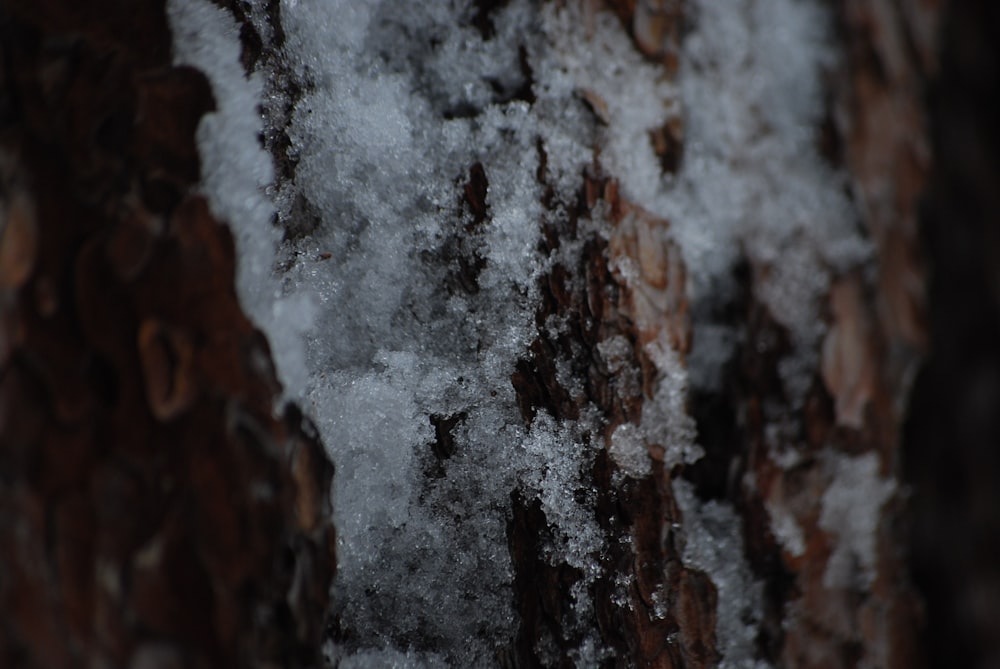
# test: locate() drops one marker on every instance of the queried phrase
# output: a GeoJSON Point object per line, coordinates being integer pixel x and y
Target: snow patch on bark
{"type": "Point", "coordinates": [235, 171]}
{"type": "Point", "coordinates": [713, 543]}
{"type": "Point", "coordinates": [398, 103]}
{"type": "Point", "coordinates": [851, 510]}
{"type": "Point", "coordinates": [752, 181]}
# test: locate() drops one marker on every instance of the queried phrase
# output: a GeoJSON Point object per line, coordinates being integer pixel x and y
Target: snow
{"type": "Point", "coordinates": [628, 449]}
{"type": "Point", "coordinates": [850, 510]}
{"type": "Point", "coordinates": [753, 181]}
{"type": "Point", "coordinates": [786, 529]}
{"type": "Point", "coordinates": [235, 171]}
{"type": "Point", "coordinates": [665, 420]}
{"type": "Point", "coordinates": [424, 560]}
{"type": "Point", "coordinates": [371, 331]}
{"type": "Point", "coordinates": [712, 539]}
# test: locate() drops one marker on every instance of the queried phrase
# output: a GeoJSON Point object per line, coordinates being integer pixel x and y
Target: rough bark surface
{"type": "Point", "coordinates": [878, 133]}
{"type": "Point", "coordinates": [153, 510]}
{"type": "Point", "coordinates": [855, 405]}
{"type": "Point", "coordinates": [669, 618]}
{"type": "Point", "coordinates": [159, 513]}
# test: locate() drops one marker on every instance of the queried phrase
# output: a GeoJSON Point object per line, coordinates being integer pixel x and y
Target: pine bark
{"type": "Point", "coordinates": [157, 513]}
{"type": "Point", "coordinates": [154, 511]}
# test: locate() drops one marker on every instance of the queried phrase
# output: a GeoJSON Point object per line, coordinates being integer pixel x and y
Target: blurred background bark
{"type": "Point", "coordinates": [154, 511]}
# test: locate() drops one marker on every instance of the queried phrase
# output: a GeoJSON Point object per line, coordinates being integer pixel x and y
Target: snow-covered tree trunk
{"type": "Point", "coordinates": [606, 314]}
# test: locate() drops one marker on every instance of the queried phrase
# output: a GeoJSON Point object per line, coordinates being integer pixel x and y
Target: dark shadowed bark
{"type": "Point", "coordinates": [154, 511]}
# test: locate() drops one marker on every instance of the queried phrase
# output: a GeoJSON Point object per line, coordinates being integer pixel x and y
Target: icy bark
{"type": "Point", "coordinates": [608, 339]}
{"type": "Point", "coordinates": [656, 212]}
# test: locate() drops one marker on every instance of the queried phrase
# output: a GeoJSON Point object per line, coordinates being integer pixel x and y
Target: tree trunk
{"type": "Point", "coordinates": [159, 512]}
{"type": "Point", "coordinates": [154, 510]}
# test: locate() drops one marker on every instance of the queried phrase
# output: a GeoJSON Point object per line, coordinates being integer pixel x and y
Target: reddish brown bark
{"type": "Point", "coordinates": [156, 508]}
{"type": "Point", "coordinates": [665, 616]}
{"type": "Point", "coordinates": [855, 406]}
{"type": "Point", "coordinates": [154, 511]}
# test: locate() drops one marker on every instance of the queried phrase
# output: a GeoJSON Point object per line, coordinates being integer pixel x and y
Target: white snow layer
{"type": "Point", "coordinates": [235, 170]}
{"type": "Point", "coordinates": [850, 510]}
{"type": "Point", "coordinates": [713, 542]}
{"type": "Point", "coordinates": [400, 99]}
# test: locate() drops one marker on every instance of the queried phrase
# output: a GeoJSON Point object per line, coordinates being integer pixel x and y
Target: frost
{"type": "Point", "coordinates": [850, 510]}
{"type": "Point", "coordinates": [712, 535]}
{"type": "Point", "coordinates": [235, 171]}
{"type": "Point", "coordinates": [786, 529]}
{"type": "Point", "coordinates": [384, 140]}
{"type": "Point", "coordinates": [628, 448]}
{"type": "Point", "coordinates": [751, 181]}
{"type": "Point", "coordinates": [395, 346]}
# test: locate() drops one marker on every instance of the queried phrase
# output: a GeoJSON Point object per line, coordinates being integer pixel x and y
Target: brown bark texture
{"type": "Point", "coordinates": [154, 511]}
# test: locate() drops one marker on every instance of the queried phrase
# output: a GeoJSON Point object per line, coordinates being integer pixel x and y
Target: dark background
{"type": "Point", "coordinates": [952, 436]}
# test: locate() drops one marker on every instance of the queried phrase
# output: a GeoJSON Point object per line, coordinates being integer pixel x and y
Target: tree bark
{"type": "Point", "coordinates": [154, 511]}
{"type": "Point", "coordinates": [159, 514]}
